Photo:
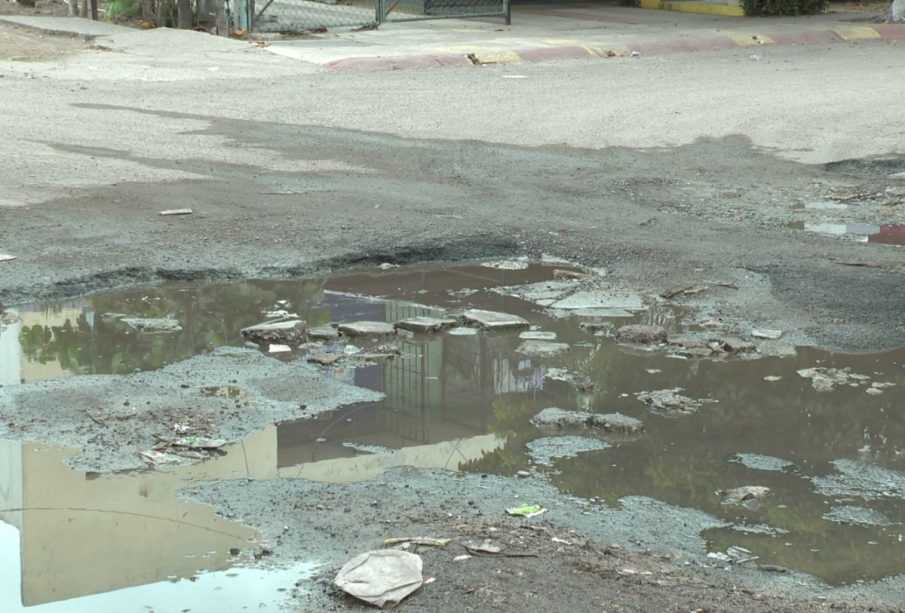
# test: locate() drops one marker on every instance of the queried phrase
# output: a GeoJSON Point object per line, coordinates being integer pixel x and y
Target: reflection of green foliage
{"type": "Point", "coordinates": [211, 316]}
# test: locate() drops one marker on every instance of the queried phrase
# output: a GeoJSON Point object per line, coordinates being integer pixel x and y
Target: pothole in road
{"type": "Point", "coordinates": [820, 433]}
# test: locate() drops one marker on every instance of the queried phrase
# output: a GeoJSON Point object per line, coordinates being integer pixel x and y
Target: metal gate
{"type": "Point", "coordinates": [307, 16]}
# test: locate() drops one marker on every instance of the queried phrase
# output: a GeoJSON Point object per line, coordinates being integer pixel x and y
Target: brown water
{"type": "Point", "coordinates": [464, 402]}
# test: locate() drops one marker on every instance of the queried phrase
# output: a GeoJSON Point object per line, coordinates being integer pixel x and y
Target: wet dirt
{"type": "Point", "coordinates": [464, 403]}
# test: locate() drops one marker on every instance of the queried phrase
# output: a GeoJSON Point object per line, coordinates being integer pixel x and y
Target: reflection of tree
{"type": "Point", "coordinates": [211, 316]}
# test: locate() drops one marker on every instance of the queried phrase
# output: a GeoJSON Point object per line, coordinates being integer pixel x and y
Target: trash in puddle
{"type": "Point", "coordinates": [169, 212]}
{"type": "Point", "coordinates": [748, 496]}
{"type": "Point", "coordinates": [670, 401]}
{"type": "Point", "coordinates": [526, 510]}
{"type": "Point", "coordinates": [485, 546]}
{"type": "Point", "coordinates": [417, 540]}
{"type": "Point", "coordinates": [381, 577]}
{"type": "Point", "coordinates": [770, 335]}
{"type": "Point", "coordinates": [6, 258]}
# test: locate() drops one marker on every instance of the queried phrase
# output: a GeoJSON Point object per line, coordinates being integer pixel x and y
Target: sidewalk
{"type": "Point", "coordinates": [544, 32]}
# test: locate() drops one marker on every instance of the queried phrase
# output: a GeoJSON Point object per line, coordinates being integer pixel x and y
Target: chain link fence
{"type": "Point", "coordinates": [300, 16]}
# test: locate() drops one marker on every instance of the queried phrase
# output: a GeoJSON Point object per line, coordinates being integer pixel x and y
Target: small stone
{"type": "Point", "coordinates": [642, 334]}
{"type": "Point", "coordinates": [616, 422]}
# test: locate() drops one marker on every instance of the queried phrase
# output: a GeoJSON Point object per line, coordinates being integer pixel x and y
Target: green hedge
{"type": "Point", "coordinates": [761, 8]}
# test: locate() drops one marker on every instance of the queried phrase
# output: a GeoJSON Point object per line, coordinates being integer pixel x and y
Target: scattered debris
{"type": "Point", "coordinates": [765, 333]}
{"type": "Point", "coordinates": [492, 320]}
{"type": "Point", "coordinates": [684, 290]}
{"type": "Point", "coordinates": [381, 577]}
{"type": "Point", "coordinates": [670, 401]}
{"type": "Point", "coordinates": [387, 266]}
{"type": "Point", "coordinates": [153, 325]}
{"type": "Point", "coordinates": [748, 496]}
{"type": "Point", "coordinates": [6, 258]}
{"type": "Point", "coordinates": [825, 379]}
{"type": "Point", "coordinates": [462, 557]}
{"type": "Point", "coordinates": [279, 348]}
{"type": "Point", "coordinates": [526, 510]}
{"type": "Point", "coordinates": [417, 540]}
{"type": "Point", "coordinates": [772, 378]}
{"type": "Point", "coordinates": [641, 334]}
{"type": "Point", "coordinates": [616, 300]}
{"type": "Point", "coordinates": [176, 212]}
{"type": "Point", "coordinates": [286, 332]}
{"type": "Point", "coordinates": [426, 324]}
{"type": "Point", "coordinates": [367, 328]}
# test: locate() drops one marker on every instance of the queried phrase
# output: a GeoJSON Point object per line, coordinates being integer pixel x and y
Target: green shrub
{"type": "Point", "coordinates": [761, 8]}
{"type": "Point", "coordinates": [123, 9]}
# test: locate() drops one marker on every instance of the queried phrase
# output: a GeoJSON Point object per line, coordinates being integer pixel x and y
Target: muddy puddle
{"type": "Point", "coordinates": [813, 439]}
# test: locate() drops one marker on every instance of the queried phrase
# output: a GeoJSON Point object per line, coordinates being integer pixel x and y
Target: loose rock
{"type": "Point", "coordinates": [641, 334]}
{"type": "Point", "coordinates": [153, 325]}
{"type": "Point", "coordinates": [670, 401]}
{"type": "Point", "coordinates": [323, 333]}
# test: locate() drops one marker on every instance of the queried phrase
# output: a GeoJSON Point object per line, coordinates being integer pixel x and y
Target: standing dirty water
{"type": "Point", "coordinates": [456, 397]}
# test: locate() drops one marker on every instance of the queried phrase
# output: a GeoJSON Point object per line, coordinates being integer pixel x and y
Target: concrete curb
{"type": "Point", "coordinates": [717, 41]}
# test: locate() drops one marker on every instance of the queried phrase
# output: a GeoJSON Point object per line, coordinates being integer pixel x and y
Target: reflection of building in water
{"type": "Point", "coordinates": [439, 391]}
{"type": "Point", "coordinates": [15, 363]}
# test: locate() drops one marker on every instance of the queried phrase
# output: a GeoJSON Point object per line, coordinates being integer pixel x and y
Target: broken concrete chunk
{"type": "Point", "coordinates": [176, 212]}
{"type": "Point", "coordinates": [642, 334]}
{"type": "Point", "coordinates": [582, 383]}
{"type": "Point", "coordinates": [492, 320]}
{"type": "Point", "coordinates": [381, 577]}
{"type": "Point", "coordinates": [288, 332]}
{"type": "Point", "coordinates": [670, 401]}
{"type": "Point", "coordinates": [367, 328]}
{"type": "Point", "coordinates": [541, 348]}
{"type": "Point", "coordinates": [426, 324]}
{"type": "Point", "coordinates": [323, 333]}
{"type": "Point", "coordinates": [153, 325]}
{"type": "Point", "coordinates": [616, 422]}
